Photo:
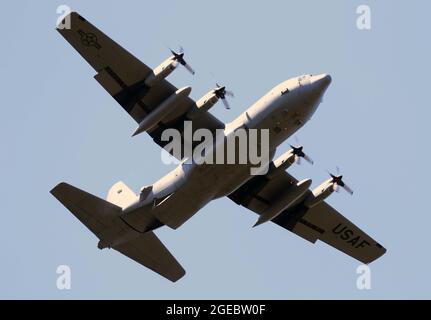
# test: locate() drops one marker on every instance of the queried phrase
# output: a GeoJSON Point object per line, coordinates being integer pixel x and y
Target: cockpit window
{"type": "Point", "coordinates": [304, 80]}
{"type": "Point", "coordinates": [286, 90]}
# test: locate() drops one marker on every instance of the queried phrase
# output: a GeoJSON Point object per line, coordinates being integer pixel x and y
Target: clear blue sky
{"type": "Point", "coordinates": [58, 124]}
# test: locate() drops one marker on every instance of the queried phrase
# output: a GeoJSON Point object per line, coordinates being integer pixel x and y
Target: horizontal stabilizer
{"type": "Point", "coordinates": [96, 214]}
{"type": "Point", "coordinates": [103, 219]}
{"type": "Point", "coordinates": [149, 251]}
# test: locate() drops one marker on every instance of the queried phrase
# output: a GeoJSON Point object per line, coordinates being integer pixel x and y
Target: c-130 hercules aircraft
{"type": "Point", "coordinates": [126, 221]}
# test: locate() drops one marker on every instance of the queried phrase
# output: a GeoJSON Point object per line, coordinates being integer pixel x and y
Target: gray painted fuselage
{"type": "Point", "coordinates": [190, 186]}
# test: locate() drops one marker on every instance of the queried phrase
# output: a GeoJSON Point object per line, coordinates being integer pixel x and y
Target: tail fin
{"type": "Point", "coordinates": [121, 195]}
{"type": "Point", "coordinates": [103, 219]}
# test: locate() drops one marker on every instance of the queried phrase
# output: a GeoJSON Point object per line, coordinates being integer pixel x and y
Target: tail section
{"type": "Point", "coordinates": [149, 251]}
{"type": "Point", "coordinates": [121, 195]}
{"type": "Point", "coordinates": [103, 219]}
{"type": "Point", "coordinates": [96, 214]}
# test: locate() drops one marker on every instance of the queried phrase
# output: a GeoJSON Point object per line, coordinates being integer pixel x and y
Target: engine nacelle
{"type": "Point", "coordinates": [203, 104]}
{"type": "Point", "coordinates": [207, 101]}
{"type": "Point", "coordinates": [162, 110]}
{"type": "Point", "coordinates": [282, 163]}
{"type": "Point", "coordinates": [161, 72]}
{"type": "Point", "coordinates": [286, 199]}
{"type": "Point", "coordinates": [320, 194]}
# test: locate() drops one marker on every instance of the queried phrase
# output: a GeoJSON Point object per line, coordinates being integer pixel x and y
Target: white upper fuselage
{"type": "Point", "coordinates": [190, 186]}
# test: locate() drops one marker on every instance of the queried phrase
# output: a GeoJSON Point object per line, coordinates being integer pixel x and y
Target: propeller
{"type": "Point", "coordinates": [298, 151]}
{"type": "Point", "coordinates": [337, 181]}
{"type": "Point", "coordinates": [179, 57]}
{"type": "Point", "coordinates": [222, 93]}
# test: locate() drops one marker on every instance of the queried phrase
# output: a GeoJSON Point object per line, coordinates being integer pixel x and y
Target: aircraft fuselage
{"type": "Point", "coordinates": [190, 186]}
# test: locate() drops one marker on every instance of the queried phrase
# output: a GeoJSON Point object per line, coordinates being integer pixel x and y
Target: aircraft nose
{"type": "Point", "coordinates": [322, 81]}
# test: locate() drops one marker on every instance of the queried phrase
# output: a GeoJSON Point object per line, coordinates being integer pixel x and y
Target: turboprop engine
{"type": "Point", "coordinates": [326, 189]}
{"type": "Point", "coordinates": [161, 72]}
{"type": "Point", "coordinates": [288, 158]}
{"type": "Point", "coordinates": [167, 67]}
{"type": "Point", "coordinates": [210, 99]}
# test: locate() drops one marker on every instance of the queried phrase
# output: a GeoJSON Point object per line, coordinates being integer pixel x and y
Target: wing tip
{"type": "Point", "coordinates": [178, 276]}
{"type": "Point", "coordinates": [70, 15]}
{"type": "Point", "coordinates": [382, 251]}
{"type": "Point", "coordinates": [58, 188]}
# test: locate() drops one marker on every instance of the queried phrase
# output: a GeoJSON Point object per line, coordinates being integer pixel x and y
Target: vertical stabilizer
{"type": "Point", "coordinates": [121, 195]}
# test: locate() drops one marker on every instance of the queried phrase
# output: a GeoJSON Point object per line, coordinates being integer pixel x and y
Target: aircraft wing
{"type": "Point", "coordinates": [123, 76]}
{"type": "Point", "coordinates": [321, 222]}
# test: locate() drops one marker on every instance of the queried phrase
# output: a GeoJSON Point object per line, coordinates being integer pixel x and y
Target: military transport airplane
{"type": "Point", "coordinates": [126, 221]}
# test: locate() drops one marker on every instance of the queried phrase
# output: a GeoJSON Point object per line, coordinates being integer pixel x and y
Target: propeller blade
{"type": "Point", "coordinates": [348, 189]}
{"type": "Point", "coordinates": [229, 94]}
{"type": "Point", "coordinates": [189, 68]}
{"type": "Point", "coordinates": [308, 159]}
{"type": "Point", "coordinates": [337, 181]}
{"type": "Point", "coordinates": [179, 58]}
{"type": "Point", "coordinates": [222, 93]}
{"type": "Point", "coordinates": [226, 103]}
{"type": "Point", "coordinates": [299, 153]}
